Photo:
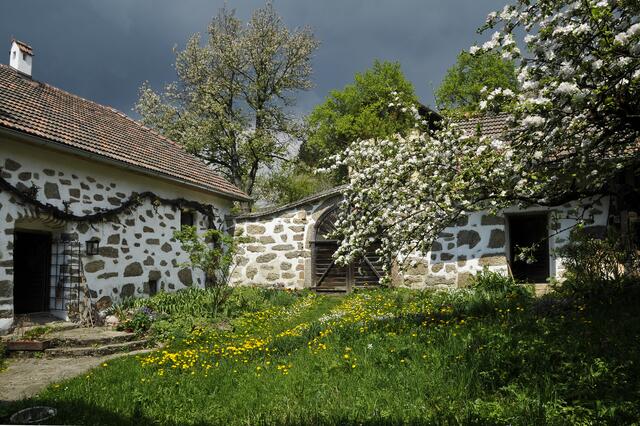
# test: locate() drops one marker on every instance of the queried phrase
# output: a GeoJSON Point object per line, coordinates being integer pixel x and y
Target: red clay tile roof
{"type": "Point", "coordinates": [39, 109]}
{"type": "Point", "coordinates": [490, 124]}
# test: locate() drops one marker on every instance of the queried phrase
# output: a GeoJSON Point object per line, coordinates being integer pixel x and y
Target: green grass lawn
{"type": "Point", "coordinates": [380, 357]}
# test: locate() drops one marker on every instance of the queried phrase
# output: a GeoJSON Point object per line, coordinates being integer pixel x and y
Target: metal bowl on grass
{"type": "Point", "coordinates": [33, 415]}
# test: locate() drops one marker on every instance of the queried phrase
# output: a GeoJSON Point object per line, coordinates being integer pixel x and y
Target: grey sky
{"type": "Point", "coordinates": [104, 49]}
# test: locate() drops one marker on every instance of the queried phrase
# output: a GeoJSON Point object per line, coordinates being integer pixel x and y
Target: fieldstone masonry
{"type": "Point", "coordinates": [137, 248]}
{"type": "Point", "coordinates": [280, 251]}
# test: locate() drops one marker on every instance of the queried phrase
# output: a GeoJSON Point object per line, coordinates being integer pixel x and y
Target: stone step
{"type": "Point", "coordinates": [19, 332]}
{"type": "Point", "coordinates": [54, 326]}
{"type": "Point", "coordinates": [71, 352]}
{"type": "Point", "coordinates": [329, 289]}
{"type": "Point", "coordinates": [82, 337]}
{"type": "Point", "coordinates": [28, 322]}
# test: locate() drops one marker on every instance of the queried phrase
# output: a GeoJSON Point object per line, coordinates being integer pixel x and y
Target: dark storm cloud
{"type": "Point", "coordinates": [104, 49]}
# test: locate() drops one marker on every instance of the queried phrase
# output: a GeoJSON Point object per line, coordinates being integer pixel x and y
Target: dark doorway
{"type": "Point", "coordinates": [525, 231]}
{"type": "Point", "coordinates": [31, 268]}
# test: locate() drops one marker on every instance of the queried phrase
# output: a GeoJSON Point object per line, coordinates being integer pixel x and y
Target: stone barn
{"type": "Point", "coordinates": [290, 247]}
{"type": "Point", "coordinates": [88, 193]}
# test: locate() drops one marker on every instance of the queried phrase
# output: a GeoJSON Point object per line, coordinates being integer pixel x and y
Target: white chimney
{"type": "Point", "coordinates": [21, 57]}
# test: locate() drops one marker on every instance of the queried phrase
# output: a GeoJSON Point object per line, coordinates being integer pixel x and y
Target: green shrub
{"type": "Point", "coordinates": [191, 302]}
{"type": "Point", "coordinates": [594, 265]}
{"type": "Point", "coordinates": [188, 302]}
{"type": "Point", "coordinates": [589, 259]}
{"type": "Point", "coordinates": [173, 315]}
{"type": "Point", "coordinates": [139, 323]}
{"type": "Point", "coordinates": [212, 252]}
{"type": "Point", "coordinates": [174, 328]}
{"type": "Point", "coordinates": [201, 303]}
{"type": "Point", "coordinates": [495, 282]}
{"type": "Point", "coordinates": [247, 299]}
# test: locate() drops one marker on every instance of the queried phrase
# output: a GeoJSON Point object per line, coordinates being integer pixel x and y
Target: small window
{"type": "Point", "coordinates": [14, 54]}
{"type": "Point", "coordinates": [153, 287]}
{"type": "Point", "coordinates": [24, 56]}
{"type": "Point", "coordinates": [187, 218]}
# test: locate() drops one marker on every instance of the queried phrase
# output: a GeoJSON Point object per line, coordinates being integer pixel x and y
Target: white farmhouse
{"type": "Point", "coordinates": [87, 192]}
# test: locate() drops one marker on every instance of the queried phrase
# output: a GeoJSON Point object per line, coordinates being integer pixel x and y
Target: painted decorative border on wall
{"type": "Point", "coordinates": [136, 244]}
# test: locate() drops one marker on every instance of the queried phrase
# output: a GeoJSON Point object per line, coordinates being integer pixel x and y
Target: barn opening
{"type": "Point", "coordinates": [529, 230]}
{"type": "Point", "coordinates": [329, 275]}
{"type": "Point", "coordinates": [31, 271]}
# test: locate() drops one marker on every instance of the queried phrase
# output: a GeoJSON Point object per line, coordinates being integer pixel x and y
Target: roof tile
{"type": "Point", "coordinates": [42, 110]}
{"type": "Point", "coordinates": [491, 125]}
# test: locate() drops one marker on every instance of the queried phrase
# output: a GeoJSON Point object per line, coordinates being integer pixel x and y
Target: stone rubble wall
{"type": "Point", "coordinates": [132, 252]}
{"type": "Point", "coordinates": [280, 253]}
{"type": "Point", "coordinates": [480, 239]}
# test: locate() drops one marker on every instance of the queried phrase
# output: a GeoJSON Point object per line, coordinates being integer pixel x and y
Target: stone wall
{"type": "Point", "coordinates": [476, 241]}
{"type": "Point", "coordinates": [138, 248]}
{"type": "Point", "coordinates": [280, 253]}
{"type": "Point", "coordinates": [480, 240]}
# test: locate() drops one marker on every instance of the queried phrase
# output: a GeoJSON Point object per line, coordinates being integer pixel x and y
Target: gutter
{"type": "Point", "coordinates": [52, 144]}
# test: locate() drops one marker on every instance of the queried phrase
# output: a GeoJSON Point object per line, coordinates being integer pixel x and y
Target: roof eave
{"type": "Point", "coordinates": [278, 209]}
{"type": "Point", "coordinates": [51, 143]}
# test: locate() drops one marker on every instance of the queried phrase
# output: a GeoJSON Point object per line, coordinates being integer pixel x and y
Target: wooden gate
{"type": "Point", "coordinates": [330, 276]}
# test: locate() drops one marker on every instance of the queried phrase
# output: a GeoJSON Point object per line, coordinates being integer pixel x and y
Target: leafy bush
{"type": "Point", "coordinates": [172, 315]}
{"type": "Point", "coordinates": [213, 252]}
{"type": "Point", "coordinates": [495, 282]}
{"type": "Point", "coordinates": [192, 302]}
{"type": "Point", "coordinates": [200, 303]}
{"type": "Point", "coordinates": [140, 322]}
{"type": "Point", "coordinates": [595, 265]}
{"type": "Point", "coordinates": [248, 299]}
{"type": "Point", "coordinates": [590, 259]}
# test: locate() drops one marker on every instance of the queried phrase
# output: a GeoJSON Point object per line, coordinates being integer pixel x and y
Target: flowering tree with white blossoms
{"type": "Point", "coordinates": [573, 127]}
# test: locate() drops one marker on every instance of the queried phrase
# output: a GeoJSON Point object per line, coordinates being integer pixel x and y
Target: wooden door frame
{"type": "Point", "coordinates": [314, 255]}
{"type": "Point", "coordinates": [350, 268]}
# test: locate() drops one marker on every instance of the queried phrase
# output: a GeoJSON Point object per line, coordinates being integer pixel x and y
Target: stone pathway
{"type": "Point", "coordinates": [25, 377]}
{"type": "Point", "coordinates": [74, 351]}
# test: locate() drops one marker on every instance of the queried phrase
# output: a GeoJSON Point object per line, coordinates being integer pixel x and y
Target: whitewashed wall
{"type": "Point", "coordinates": [280, 253]}
{"type": "Point", "coordinates": [480, 240]}
{"type": "Point", "coordinates": [134, 251]}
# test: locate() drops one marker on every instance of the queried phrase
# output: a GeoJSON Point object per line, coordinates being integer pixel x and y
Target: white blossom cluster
{"type": "Point", "coordinates": [574, 124]}
{"type": "Point", "coordinates": [576, 120]}
{"type": "Point", "coordinates": [403, 191]}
